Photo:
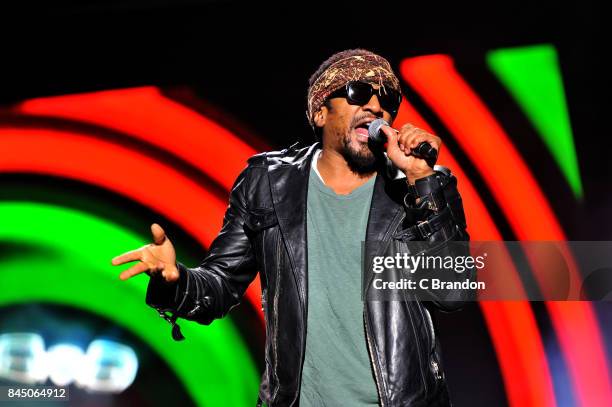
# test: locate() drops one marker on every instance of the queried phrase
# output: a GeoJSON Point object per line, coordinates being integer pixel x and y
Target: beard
{"type": "Point", "coordinates": [360, 160]}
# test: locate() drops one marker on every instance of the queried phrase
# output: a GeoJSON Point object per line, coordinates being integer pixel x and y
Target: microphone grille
{"type": "Point", "coordinates": [375, 126]}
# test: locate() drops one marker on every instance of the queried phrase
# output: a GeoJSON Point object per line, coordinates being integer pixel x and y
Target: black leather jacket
{"type": "Point", "coordinates": [265, 230]}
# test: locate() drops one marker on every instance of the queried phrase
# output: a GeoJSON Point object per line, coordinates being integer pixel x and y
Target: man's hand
{"type": "Point", "coordinates": [398, 150]}
{"type": "Point", "coordinates": [157, 257]}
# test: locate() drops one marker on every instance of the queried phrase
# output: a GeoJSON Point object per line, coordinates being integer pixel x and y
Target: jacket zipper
{"type": "Point", "coordinates": [436, 369]}
{"type": "Point", "coordinates": [275, 315]}
{"type": "Point", "coordinates": [426, 321]}
{"type": "Point", "coordinates": [264, 308]}
{"type": "Point", "coordinates": [263, 301]}
{"type": "Point", "coordinates": [374, 364]}
{"type": "Point", "coordinates": [422, 363]}
{"type": "Point", "coordinates": [304, 326]}
{"type": "Point", "coordinates": [304, 307]}
{"type": "Point", "coordinates": [429, 323]}
{"type": "Point", "coordinates": [432, 337]}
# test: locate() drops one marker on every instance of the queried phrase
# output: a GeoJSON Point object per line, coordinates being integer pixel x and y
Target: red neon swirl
{"type": "Point", "coordinates": [144, 113]}
{"type": "Point", "coordinates": [126, 172]}
{"type": "Point", "coordinates": [530, 216]}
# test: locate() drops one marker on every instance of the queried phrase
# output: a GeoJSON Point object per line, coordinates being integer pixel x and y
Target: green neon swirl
{"type": "Point", "coordinates": [532, 75]}
{"type": "Point", "coordinates": [213, 363]}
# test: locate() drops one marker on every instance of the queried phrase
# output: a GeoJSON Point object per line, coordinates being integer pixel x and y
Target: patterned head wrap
{"type": "Point", "coordinates": [366, 67]}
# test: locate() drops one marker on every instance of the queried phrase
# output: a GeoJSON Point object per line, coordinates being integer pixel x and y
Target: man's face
{"type": "Point", "coordinates": [345, 130]}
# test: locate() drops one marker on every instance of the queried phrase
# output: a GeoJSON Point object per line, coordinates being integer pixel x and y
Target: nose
{"type": "Point", "coordinates": [373, 106]}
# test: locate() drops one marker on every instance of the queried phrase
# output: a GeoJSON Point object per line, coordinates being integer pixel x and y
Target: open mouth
{"type": "Point", "coordinates": [362, 129]}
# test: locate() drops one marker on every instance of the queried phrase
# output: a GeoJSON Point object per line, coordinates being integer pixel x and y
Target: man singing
{"type": "Point", "coordinates": [299, 217]}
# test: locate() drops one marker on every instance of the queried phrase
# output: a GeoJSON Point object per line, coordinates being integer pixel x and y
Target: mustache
{"type": "Point", "coordinates": [361, 117]}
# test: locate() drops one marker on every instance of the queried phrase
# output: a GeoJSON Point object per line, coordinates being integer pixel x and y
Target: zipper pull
{"type": "Point", "coordinates": [436, 370]}
{"type": "Point", "coordinates": [263, 300]}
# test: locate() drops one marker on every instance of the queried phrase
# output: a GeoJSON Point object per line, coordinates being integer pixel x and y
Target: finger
{"type": "Point", "coordinates": [407, 133]}
{"type": "Point", "coordinates": [405, 138]}
{"type": "Point", "coordinates": [411, 136]}
{"type": "Point", "coordinates": [132, 271]}
{"type": "Point", "coordinates": [413, 140]}
{"type": "Point", "coordinates": [392, 140]}
{"type": "Point", "coordinates": [158, 233]}
{"type": "Point", "coordinates": [423, 136]}
{"type": "Point", "coordinates": [127, 257]}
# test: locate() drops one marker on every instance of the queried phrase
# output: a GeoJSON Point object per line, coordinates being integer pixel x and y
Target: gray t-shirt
{"type": "Point", "coordinates": [337, 370]}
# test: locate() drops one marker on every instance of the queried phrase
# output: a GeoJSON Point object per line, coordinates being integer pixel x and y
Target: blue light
{"type": "Point", "coordinates": [22, 358]}
{"type": "Point", "coordinates": [63, 362]}
{"type": "Point", "coordinates": [109, 367]}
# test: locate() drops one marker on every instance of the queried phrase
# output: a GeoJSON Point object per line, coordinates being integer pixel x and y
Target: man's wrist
{"type": "Point", "coordinates": [411, 178]}
{"type": "Point", "coordinates": [426, 188]}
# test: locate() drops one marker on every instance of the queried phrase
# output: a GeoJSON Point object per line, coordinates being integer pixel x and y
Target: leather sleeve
{"type": "Point", "coordinates": [210, 290]}
{"type": "Point", "coordinates": [438, 228]}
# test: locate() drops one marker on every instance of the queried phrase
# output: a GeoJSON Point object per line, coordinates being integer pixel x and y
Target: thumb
{"type": "Point", "coordinates": [158, 234]}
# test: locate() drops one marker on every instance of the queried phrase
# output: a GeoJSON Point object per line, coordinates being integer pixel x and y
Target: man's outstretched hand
{"type": "Point", "coordinates": [157, 257]}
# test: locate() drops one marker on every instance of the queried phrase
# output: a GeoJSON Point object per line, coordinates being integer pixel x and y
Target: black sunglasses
{"type": "Point", "coordinates": [360, 93]}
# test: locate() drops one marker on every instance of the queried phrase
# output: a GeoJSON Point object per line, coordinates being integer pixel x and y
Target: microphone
{"type": "Point", "coordinates": [377, 139]}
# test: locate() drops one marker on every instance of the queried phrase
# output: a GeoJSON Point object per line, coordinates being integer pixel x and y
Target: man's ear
{"type": "Point", "coordinates": [320, 116]}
